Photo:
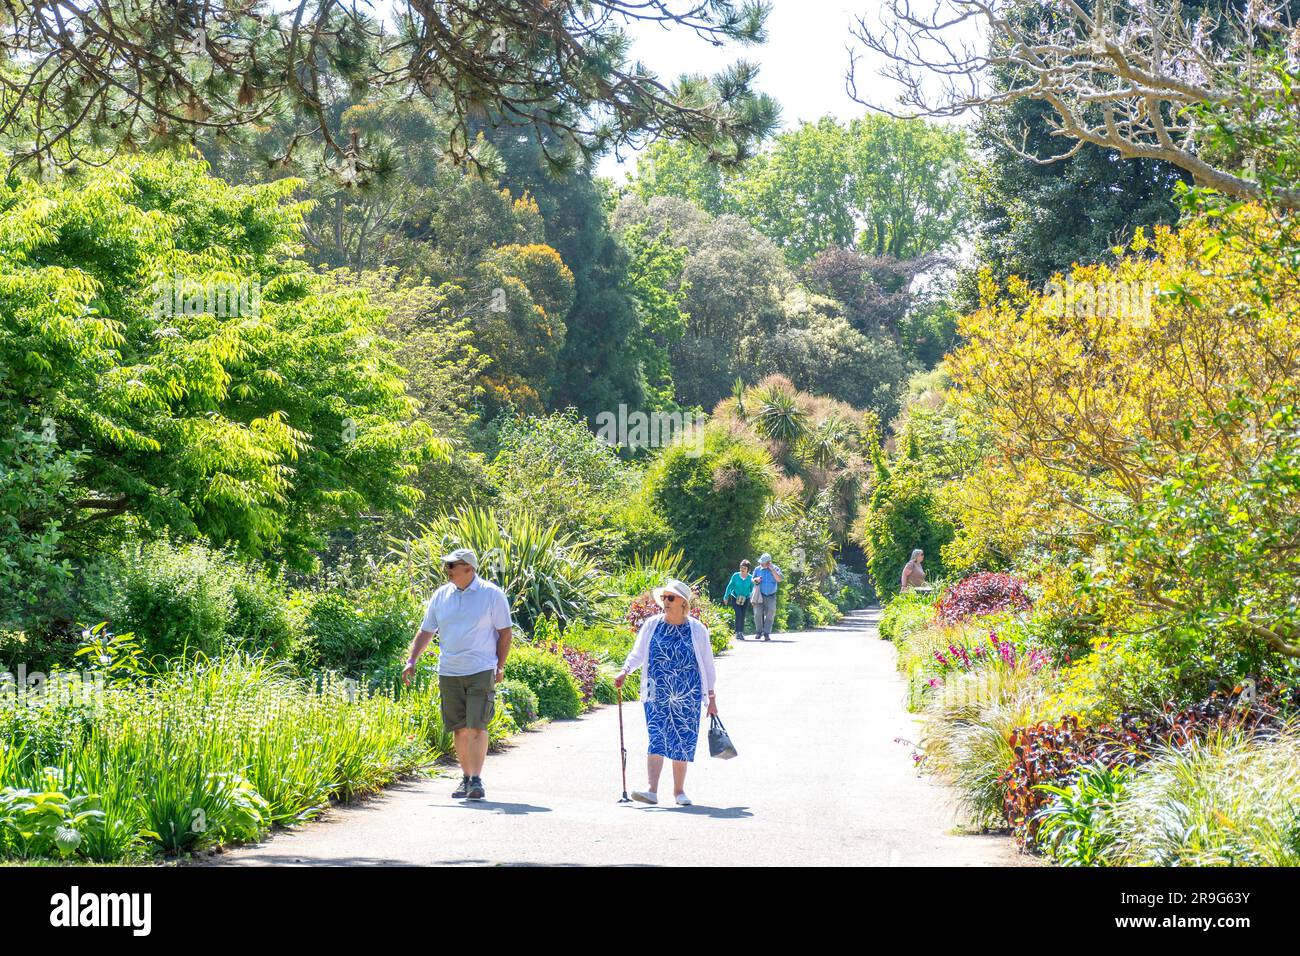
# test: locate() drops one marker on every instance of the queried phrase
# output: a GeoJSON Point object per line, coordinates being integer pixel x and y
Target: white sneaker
{"type": "Point", "coordinates": [683, 800]}
{"type": "Point", "coordinates": [645, 796]}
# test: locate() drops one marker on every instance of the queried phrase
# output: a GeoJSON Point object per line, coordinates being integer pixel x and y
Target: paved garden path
{"type": "Point", "coordinates": [820, 780]}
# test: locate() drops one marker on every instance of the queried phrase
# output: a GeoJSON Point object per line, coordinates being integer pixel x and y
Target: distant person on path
{"type": "Point", "coordinates": [913, 573]}
{"type": "Point", "coordinates": [768, 576]}
{"type": "Point", "coordinates": [471, 617]}
{"type": "Point", "coordinates": [737, 595]}
{"type": "Point", "coordinates": [672, 649]}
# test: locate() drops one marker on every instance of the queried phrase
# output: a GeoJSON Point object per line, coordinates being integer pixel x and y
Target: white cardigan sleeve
{"type": "Point", "coordinates": [641, 647]}
{"type": "Point", "coordinates": [704, 655]}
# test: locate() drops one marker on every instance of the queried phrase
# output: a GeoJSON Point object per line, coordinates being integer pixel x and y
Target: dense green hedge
{"type": "Point", "coordinates": [558, 693]}
{"type": "Point", "coordinates": [190, 599]}
{"type": "Point", "coordinates": [711, 491]}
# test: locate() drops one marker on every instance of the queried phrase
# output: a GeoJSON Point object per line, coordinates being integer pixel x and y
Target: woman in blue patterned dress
{"type": "Point", "coordinates": [677, 677]}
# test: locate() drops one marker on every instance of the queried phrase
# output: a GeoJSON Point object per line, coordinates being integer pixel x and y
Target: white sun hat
{"type": "Point", "coordinates": [673, 586]}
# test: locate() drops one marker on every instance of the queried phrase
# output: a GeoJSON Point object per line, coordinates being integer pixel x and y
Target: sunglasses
{"type": "Point", "coordinates": [669, 598]}
{"type": "Point", "coordinates": [452, 565]}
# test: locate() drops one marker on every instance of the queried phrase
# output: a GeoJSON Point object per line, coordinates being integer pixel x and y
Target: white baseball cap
{"type": "Point", "coordinates": [462, 554]}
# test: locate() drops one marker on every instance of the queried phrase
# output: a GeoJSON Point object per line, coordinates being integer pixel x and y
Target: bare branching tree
{"type": "Point", "coordinates": [1129, 75]}
{"type": "Point", "coordinates": [130, 72]}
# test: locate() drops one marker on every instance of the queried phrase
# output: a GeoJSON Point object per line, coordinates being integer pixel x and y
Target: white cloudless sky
{"type": "Point", "coordinates": [803, 64]}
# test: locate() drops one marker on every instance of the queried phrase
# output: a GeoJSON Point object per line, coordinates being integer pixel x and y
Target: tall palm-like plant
{"type": "Point", "coordinates": [818, 442]}
{"type": "Point", "coordinates": [776, 415]}
{"type": "Point", "coordinates": [825, 445]}
{"type": "Point", "coordinates": [543, 572]}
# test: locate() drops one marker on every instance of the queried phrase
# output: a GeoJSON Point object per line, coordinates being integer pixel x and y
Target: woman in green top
{"type": "Point", "coordinates": [737, 595]}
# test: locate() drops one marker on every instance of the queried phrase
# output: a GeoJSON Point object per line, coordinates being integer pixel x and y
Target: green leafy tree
{"type": "Point", "coordinates": [557, 469]}
{"type": "Point", "coordinates": [907, 185]}
{"type": "Point", "coordinates": [821, 352]}
{"type": "Point", "coordinates": [800, 192]}
{"type": "Point", "coordinates": [435, 344]}
{"type": "Point", "coordinates": [676, 168]}
{"type": "Point", "coordinates": [885, 186]}
{"type": "Point", "coordinates": [732, 284]}
{"type": "Point", "coordinates": [37, 493]}
{"type": "Point", "coordinates": [597, 368]}
{"type": "Point", "coordinates": [521, 326]}
{"type": "Point", "coordinates": [156, 317]}
{"type": "Point", "coordinates": [654, 277]}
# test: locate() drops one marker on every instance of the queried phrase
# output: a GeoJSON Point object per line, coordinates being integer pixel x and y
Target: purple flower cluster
{"type": "Point", "coordinates": [961, 657]}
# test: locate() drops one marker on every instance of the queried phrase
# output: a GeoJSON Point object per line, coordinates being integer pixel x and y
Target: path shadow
{"type": "Point", "coordinates": [511, 809]}
{"type": "Point", "coordinates": [376, 862]}
{"type": "Point", "coordinates": [560, 863]}
{"type": "Point", "coordinates": [720, 813]}
{"type": "Point", "coordinates": [481, 862]}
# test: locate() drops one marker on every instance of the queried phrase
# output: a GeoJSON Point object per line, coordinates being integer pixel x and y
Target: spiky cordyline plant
{"type": "Point", "coordinates": [543, 572]}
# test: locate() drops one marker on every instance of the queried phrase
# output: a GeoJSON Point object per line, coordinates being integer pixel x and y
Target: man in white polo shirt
{"type": "Point", "coordinates": [472, 619]}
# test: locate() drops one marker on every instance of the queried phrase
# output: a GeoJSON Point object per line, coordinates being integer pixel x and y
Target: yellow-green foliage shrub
{"type": "Point", "coordinates": [1140, 672]}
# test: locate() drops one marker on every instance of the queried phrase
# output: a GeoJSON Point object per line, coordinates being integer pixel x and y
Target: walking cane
{"type": "Point", "coordinates": [622, 750]}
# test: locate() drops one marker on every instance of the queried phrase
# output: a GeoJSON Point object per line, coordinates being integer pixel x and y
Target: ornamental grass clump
{"type": "Point", "coordinates": [1229, 799]}
{"type": "Point", "coordinates": [1051, 754]}
{"type": "Point", "coordinates": [968, 726]}
{"type": "Point", "coordinates": [214, 752]}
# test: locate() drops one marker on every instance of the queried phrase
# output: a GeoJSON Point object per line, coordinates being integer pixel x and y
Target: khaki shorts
{"type": "Point", "coordinates": [468, 701]}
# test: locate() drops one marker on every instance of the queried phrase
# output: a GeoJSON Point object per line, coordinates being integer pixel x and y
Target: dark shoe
{"type": "Point", "coordinates": [461, 792]}
{"type": "Point", "coordinates": [476, 791]}
{"type": "Point", "coordinates": [767, 637]}
{"type": "Point", "coordinates": [740, 637]}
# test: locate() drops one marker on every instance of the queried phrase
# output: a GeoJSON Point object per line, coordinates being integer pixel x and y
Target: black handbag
{"type": "Point", "coordinates": [720, 744]}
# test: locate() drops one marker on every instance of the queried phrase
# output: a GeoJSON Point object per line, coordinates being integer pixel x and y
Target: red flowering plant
{"type": "Point", "coordinates": [988, 592]}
